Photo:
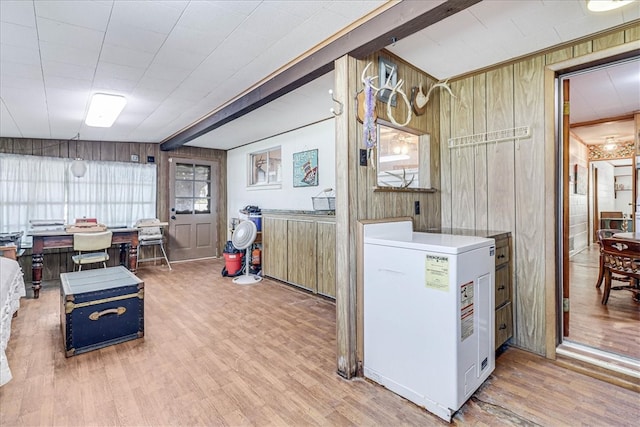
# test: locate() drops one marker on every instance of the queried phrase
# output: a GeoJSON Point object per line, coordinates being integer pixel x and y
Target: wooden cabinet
{"type": "Point", "coordinates": [326, 250]}
{"type": "Point", "coordinates": [503, 291]}
{"type": "Point", "coordinates": [300, 250]}
{"type": "Point", "coordinates": [274, 250]}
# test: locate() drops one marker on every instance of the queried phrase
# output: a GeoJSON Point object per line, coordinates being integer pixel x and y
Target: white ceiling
{"type": "Point", "coordinates": [177, 61]}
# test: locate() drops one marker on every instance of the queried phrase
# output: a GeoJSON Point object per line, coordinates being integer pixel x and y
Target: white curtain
{"type": "Point", "coordinates": [35, 187]}
{"type": "Point", "coordinates": [115, 193]}
{"type": "Point", "coordinates": [31, 187]}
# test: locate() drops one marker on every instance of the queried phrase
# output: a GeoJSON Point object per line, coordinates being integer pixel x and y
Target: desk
{"type": "Point", "coordinates": [127, 238]}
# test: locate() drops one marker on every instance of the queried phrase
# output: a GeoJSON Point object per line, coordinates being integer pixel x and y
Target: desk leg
{"type": "Point", "coordinates": [37, 260]}
{"type": "Point", "coordinates": [131, 260]}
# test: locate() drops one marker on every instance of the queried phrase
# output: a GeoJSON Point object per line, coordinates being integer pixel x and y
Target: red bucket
{"type": "Point", "coordinates": [233, 262]}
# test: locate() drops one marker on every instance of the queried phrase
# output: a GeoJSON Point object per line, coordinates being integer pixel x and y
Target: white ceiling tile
{"type": "Point", "coordinates": [245, 7]}
{"type": "Point", "coordinates": [172, 74]}
{"type": "Point", "coordinates": [574, 27]}
{"type": "Point", "coordinates": [69, 84]}
{"type": "Point", "coordinates": [211, 17]}
{"type": "Point", "coordinates": [61, 69]}
{"type": "Point", "coordinates": [177, 57]}
{"type": "Point", "coordinates": [17, 12]}
{"type": "Point", "coordinates": [69, 35]}
{"type": "Point", "coordinates": [149, 15]}
{"type": "Point", "coordinates": [190, 40]}
{"type": "Point", "coordinates": [19, 54]}
{"type": "Point", "coordinates": [87, 14]}
{"type": "Point", "coordinates": [185, 93]}
{"type": "Point", "coordinates": [8, 126]}
{"type": "Point", "coordinates": [14, 69]}
{"type": "Point", "coordinates": [270, 22]}
{"type": "Point", "coordinates": [22, 83]}
{"type": "Point", "coordinates": [353, 10]}
{"type": "Point", "coordinates": [18, 35]}
{"type": "Point", "coordinates": [124, 56]}
{"type": "Point", "coordinates": [68, 54]}
{"type": "Point", "coordinates": [117, 71]}
{"type": "Point", "coordinates": [134, 38]}
{"type": "Point", "coordinates": [103, 83]}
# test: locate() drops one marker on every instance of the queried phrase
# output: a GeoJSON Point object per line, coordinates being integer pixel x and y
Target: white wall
{"type": "Point", "coordinates": [578, 203]}
{"type": "Point", "coordinates": [320, 136]}
{"type": "Point", "coordinates": [623, 198]}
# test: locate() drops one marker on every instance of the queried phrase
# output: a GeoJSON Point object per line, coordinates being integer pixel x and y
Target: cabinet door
{"type": "Point", "coordinates": [327, 259]}
{"type": "Point", "coordinates": [274, 244]}
{"type": "Point", "coordinates": [302, 253]}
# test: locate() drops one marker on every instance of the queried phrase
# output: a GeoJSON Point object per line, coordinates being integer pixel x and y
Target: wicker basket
{"type": "Point", "coordinates": [325, 201]}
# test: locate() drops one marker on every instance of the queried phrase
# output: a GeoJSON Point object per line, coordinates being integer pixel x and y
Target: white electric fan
{"type": "Point", "coordinates": [242, 238]}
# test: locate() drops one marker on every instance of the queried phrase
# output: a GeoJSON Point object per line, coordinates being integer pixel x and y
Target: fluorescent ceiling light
{"type": "Point", "coordinates": [104, 109]}
{"type": "Point", "coordinates": [393, 158]}
{"type": "Point", "coordinates": [605, 5]}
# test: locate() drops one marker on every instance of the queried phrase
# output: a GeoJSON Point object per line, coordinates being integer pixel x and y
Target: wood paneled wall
{"type": "Point", "coordinates": [58, 261]}
{"type": "Point", "coordinates": [355, 196]}
{"type": "Point", "coordinates": [500, 186]}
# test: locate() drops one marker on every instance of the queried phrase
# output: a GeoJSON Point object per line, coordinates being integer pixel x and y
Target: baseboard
{"type": "Point", "coordinates": [615, 369]}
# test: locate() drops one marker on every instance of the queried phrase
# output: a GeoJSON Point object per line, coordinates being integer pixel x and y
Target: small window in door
{"type": "Point", "coordinates": [193, 189]}
{"type": "Point", "coordinates": [265, 167]}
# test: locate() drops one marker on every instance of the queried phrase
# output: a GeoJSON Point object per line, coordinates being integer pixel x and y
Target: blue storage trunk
{"type": "Point", "coordinates": [100, 307]}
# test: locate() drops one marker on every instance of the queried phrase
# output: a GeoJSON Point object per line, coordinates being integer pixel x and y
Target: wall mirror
{"type": "Point", "coordinates": [403, 159]}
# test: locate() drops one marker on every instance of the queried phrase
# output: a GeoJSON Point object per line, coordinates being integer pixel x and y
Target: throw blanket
{"type": "Point", "coordinates": [11, 289]}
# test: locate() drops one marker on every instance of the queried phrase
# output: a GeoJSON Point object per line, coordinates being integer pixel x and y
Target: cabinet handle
{"type": "Point", "coordinates": [502, 326]}
{"type": "Point", "coordinates": [501, 256]}
{"type": "Point", "coordinates": [501, 287]}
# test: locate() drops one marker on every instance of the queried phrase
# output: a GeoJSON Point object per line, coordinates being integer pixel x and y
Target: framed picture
{"type": "Point", "coordinates": [580, 173]}
{"type": "Point", "coordinates": [387, 73]}
{"type": "Point", "coordinates": [305, 168]}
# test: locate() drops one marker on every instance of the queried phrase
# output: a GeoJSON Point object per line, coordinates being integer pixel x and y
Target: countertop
{"type": "Point", "coordinates": [494, 234]}
{"type": "Point", "coordinates": [297, 212]}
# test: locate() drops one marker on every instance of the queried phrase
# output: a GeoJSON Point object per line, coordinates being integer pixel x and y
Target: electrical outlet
{"type": "Point", "coordinates": [363, 157]}
{"type": "Point", "coordinates": [416, 207]}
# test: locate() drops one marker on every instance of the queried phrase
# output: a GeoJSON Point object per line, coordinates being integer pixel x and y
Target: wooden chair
{"type": "Point", "coordinates": [605, 233]}
{"type": "Point", "coordinates": [621, 257]}
{"type": "Point", "coordinates": [92, 248]}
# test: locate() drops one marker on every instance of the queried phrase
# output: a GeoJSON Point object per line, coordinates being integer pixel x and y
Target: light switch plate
{"type": "Point", "coordinates": [135, 158]}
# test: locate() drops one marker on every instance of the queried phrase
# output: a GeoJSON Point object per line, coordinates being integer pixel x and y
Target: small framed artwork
{"type": "Point", "coordinates": [580, 180]}
{"type": "Point", "coordinates": [305, 168]}
{"type": "Point", "coordinates": [388, 77]}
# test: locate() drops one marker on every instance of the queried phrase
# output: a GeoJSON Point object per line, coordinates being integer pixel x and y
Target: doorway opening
{"type": "Point", "coordinates": [598, 155]}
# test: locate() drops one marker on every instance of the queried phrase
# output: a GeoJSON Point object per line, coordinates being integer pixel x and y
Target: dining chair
{"type": "Point", "coordinates": [92, 248]}
{"type": "Point", "coordinates": [604, 233]}
{"type": "Point", "coordinates": [150, 234]}
{"type": "Point", "coordinates": [621, 257]}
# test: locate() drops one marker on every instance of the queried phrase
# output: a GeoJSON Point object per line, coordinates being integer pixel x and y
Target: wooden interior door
{"type": "Point", "coordinates": [193, 196]}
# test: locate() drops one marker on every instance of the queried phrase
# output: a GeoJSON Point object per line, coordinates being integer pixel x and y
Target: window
{"type": "Point", "coordinates": [265, 167]}
{"type": "Point", "coordinates": [193, 189]}
{"type": "Point", "coordinates": [34, 187]}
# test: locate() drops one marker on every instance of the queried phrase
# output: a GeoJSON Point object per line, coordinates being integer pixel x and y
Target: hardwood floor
{"type": "Point", "coordinates": [612, 327]}
{"type": "Point", "coordinates": [216, 353]}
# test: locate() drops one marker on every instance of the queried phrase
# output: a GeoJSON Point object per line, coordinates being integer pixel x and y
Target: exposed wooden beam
{"type": "Point", "coordinates": [397, 22]}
